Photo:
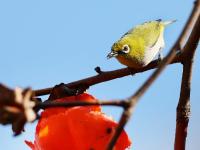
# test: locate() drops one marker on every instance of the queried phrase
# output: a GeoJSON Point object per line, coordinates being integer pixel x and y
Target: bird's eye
{"type": "Point", "coordinates": [126, 49]}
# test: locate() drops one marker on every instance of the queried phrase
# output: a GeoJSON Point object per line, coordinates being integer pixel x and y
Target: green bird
{"type": "Point", "coordinates": [139, 46]}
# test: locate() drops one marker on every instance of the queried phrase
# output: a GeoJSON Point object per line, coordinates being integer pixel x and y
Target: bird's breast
{"type": "Point", "coordinates": [130, 62]}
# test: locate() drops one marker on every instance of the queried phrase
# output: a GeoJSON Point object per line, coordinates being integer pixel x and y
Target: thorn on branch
{"type": "Point", "coordinates": [98, 70]}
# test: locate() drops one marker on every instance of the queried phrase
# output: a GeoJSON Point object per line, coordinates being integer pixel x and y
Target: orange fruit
{"type": "Point", "coordinates": [76, 128]}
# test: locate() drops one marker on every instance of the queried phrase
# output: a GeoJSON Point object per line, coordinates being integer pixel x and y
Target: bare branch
{"type": "Point", "coordinates": [50, 104]}
{"type": "Point", "coordinates": [191, 20]}
{"type": "Point", "coordinates": [135, 98]}
{"type": "Point", "coordinates": [110, 75]}
{"type": "Point", "coordinates": [106, 76]}
{"type": "Point", "coordinates": [183, 108]}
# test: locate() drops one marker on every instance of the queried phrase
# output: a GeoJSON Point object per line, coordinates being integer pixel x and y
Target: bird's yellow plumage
{"type": "Point", "coordinates": [139, 46]}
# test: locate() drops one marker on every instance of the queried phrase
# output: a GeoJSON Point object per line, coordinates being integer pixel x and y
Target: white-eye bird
{"type": "Point", "coordinates": [139, 46]}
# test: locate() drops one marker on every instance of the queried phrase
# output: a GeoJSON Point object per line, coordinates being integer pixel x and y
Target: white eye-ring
{"type": "Point", "coordinates": [126, 49]}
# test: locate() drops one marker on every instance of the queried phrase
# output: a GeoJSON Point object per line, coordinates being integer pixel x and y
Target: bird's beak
{"type": "Point", "coordinates": [112, 54]}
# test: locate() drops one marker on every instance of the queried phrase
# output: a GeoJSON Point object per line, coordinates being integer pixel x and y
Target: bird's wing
{"type": "Point", "coordinates": [148, 31]}
{"type": "Point", "coordinates": [154, 42]}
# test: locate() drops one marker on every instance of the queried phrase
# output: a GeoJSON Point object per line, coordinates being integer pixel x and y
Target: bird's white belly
{"type": "Point", "coordinates": [151, 52]}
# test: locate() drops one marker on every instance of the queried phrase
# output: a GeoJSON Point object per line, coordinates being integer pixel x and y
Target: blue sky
{"type": "Point", "coordinates": [43, 43]}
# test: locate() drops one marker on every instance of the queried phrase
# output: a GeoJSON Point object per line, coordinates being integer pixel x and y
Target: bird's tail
{"type": "Point", "coordinates": [168, 22]}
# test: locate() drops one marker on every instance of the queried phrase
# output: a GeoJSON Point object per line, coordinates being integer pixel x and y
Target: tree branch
{"type": "Point", "coordinates": [189, 24]}
{"type": "Point", "coordinates": [183, 108]}
{"type": "Point", "coordinates": [106, 76]}
{"type": "Point", "coordinates": [50, 104]}
{"type": "Point", "coordinates": [110, 75]}
{"type": "Point", "coordinates": [135, 98]}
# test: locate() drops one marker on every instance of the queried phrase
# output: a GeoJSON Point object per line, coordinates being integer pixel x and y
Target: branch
{"type": "Point", "coordinates": [135, 98]}
{"type": "Point", "coordinates": [106, 76]}
{"type": "Point", "coordinates": [183, 108]}
{"type": "Point", "coordinates": [110, 75]}
{"type": "Point", "coordinates": [191, 20]}
{"type": "Point", "coordinates": [50, 104]}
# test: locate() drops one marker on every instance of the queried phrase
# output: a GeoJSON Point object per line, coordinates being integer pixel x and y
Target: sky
{"type": "Point", "coordinates": [45, 42]}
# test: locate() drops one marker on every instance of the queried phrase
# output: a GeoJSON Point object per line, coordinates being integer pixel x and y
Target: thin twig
{"type": "Point", "coordinates": [50, 104]}
{"type": "Point", "coordinates": [193, 16]}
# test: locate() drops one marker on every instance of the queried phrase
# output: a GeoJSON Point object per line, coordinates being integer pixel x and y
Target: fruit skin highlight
{"type": "Point", "coordinates": [76, 128]}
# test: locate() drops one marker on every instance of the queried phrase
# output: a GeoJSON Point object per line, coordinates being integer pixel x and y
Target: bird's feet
{"type": "Point", "coordinates": [131, 70]}
{"type": "Point", "coordinates": [160, 56]}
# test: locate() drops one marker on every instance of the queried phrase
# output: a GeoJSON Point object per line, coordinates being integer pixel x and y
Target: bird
{"type": "Point", "coordinates": [140, 45]}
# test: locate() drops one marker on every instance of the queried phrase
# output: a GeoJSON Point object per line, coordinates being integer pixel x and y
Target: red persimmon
{"type": "Point", "coordinates": [76, 128]}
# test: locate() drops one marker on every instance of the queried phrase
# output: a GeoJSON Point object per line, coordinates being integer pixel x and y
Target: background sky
{"type": "Point", "coordinates": [45, 42]}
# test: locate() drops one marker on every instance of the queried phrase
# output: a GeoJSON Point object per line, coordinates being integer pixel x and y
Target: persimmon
{"type": "Point", "coordinates": [76, 128]}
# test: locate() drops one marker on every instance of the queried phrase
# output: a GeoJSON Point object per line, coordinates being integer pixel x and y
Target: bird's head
{"type": "Point", "coordinates": [129, 51]}
{"type": "Point", "coordinates": [120, 48]}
